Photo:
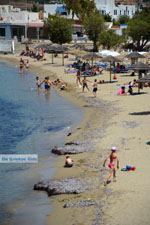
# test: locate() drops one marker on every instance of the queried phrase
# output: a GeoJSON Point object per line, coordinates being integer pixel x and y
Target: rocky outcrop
{"type": "Point", "coordinates": [66, 186]}
{"type": "Point", "coordinates": [72, 148]}
{"type": "Point", "coordinates": [81, 203]}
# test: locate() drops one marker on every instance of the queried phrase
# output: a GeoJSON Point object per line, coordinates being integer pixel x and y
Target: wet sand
{"type": "Point", "coordinates": [109, 120]}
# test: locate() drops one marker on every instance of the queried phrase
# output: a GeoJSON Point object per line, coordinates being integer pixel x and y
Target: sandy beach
{"type": "Point", "coordinates": [109, 120]}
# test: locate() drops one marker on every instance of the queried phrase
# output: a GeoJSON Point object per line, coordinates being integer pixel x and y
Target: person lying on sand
{"type": "Point", "coordinates": [113, 165]}
{"type": "Point", "coordinates": [68, 161]}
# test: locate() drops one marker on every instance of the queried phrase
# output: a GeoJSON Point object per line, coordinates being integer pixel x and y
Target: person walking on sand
{"type": "Point", "coordinates": [95, 84]}
{"type": "Point", "coordinates": [78, 78]}
{"type": "Point", "coordinates": [84, 84]}
{"type": "Point", "coordinates": [113, 165]}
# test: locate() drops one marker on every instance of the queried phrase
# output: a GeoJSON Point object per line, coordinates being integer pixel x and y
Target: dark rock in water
{"type": "Point", "coordinates": [82, 203]}
{"type": "Point", "coordinates": [66, 186]}
{"type": "Point", "coordinates": [71, 143]}
{"type": "Point", "coordinates": [69, 134]}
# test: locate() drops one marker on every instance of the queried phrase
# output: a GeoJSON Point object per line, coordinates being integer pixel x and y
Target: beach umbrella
{"type": "Point", "coordinates": [47, 47]}
{"type": "Point", "coordinates": [58, 49]}
{"type": "Point", "coordinates": [91, 56]}
{"type": "Point", "coordinates": [108, 53]}
{"type": "Point", "coordinates": [145, 79]}
{"type": "Point", "coordinates": [134, 56]}
{"type": "Point", "coordinates": [141, 68]}
{"type": "Point", "coordinates": [111, 59]}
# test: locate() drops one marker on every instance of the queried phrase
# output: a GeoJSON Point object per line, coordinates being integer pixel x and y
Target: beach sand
{"type": "Point", "coordinates": [127, 201]}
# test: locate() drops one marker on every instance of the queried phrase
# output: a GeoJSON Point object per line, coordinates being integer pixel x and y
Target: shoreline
{"type": "Point", "coordinates": [88, 110]}
{"type": "Point", "coordinates": [129, 132]}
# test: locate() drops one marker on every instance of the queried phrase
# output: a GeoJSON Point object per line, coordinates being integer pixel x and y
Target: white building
{"type": "Point", "coordinates": [115, 10]}
{"type": "Point", "coordinates": [14, 22]}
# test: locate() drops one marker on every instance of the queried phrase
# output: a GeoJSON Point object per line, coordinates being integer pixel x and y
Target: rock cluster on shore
{"type": "Point", "coordinates": [66, 186]}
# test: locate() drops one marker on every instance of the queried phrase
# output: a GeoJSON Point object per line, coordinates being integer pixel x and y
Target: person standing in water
{"type": "Point", "coordinates": [47, 83]}
{"type": "Point", "coordinates": [95, 84]}
{"type": "Point", "coordinates": [38, 82]}
{"type": "Point", "coordinates": [21, 66]}
{"type": "Point", "coordinates": [84, 84]}
{"type": "Point", "coordinates": [113, 165]}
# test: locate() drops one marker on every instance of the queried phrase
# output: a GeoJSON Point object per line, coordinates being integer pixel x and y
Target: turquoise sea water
{"type": "Point", "coordinates": [30, 122]}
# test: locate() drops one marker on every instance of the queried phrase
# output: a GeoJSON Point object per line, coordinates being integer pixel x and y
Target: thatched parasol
{"type": "Point", "coordinates": [91, 56]}
{"type": "Point", "coordinates": [110, 59]}
{"type": "Point", "coordinates": [54, 48]}
{"type": "Point", "coordinates": [145, 79]}
{"type": "Point", "coordinates": [141, 68]}
{"type": "Point", "coordinates": [134, 56]}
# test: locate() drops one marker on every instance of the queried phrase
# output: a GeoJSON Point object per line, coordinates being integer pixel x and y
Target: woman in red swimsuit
{"type": "Point", "coordinates": [113, 164]}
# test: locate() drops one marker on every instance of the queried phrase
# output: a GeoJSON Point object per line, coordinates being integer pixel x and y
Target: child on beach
{"type": "Point", "coordinates": [95, 84]}
{"type": "Point", "coordinates": [38, 82]}
{"type": "Point", "coordinates": [113, 165]}
{"type": "Point", "coordinates": [68, 161]}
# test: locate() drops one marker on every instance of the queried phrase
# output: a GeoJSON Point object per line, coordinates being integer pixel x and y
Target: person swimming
{"type": "Point", "coordinates": [113, 165]}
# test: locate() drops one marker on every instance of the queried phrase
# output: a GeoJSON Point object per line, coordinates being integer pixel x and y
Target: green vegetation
{"type": "Point", "coordinates": [81, 8]}
{"type": "Point", "coordinates": [110, 39]}
{"type": "Point", "coordinates": [139, 30]}
{"type": "Point", "coordinates": [94, 25]}
{"type": "Point", "coordinates": [123, 19]}
{"type": "Point", "coordinates": [59, 29]}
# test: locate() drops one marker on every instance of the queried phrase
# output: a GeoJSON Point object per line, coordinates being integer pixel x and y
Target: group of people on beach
{"type": "Point", "coordinates": [48, 83]}
{"type": "Point", "coordinates": [111, 162]}
{"type": "Point", "coordinates": [37, 54]}
{"type": "Point", "coordinates": [84, 83]}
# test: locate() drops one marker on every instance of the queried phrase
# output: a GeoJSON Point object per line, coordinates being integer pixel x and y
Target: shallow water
{"type": "Point", "coordinates": [30, 122]}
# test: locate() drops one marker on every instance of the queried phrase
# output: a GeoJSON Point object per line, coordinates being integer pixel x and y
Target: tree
{"type": "Point", "coordinates": [94, 25]}
{"type": "Point", "coordinates": [107, 18]}
{"type": "Point", "coordinates": [110, 39]}
{"type": "Point", "coordinates": [60, 29]}
{"type": "Point", "coordinates": [80, 8]}
{"type": "Point", "coordinates": [139, 30]}
{"type": "Point", "coordinates": [123, 19]}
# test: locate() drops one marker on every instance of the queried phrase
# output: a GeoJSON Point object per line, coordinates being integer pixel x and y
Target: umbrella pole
{"type": "Point", "coordinates": [62, 59]}
{"type": "Point", "coordinates": [52, 58]}
{"type": "Point", "coordinates": [110, 72]}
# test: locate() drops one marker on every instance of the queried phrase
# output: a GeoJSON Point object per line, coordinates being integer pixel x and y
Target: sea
{"type": "Point", "coordinates": [31, 122]}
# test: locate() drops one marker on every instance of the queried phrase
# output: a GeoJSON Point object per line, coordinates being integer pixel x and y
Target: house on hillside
{"type": "Point", "coordinates": [18, 24]}
{"type": "Point", "coordinates": [115, 10]}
